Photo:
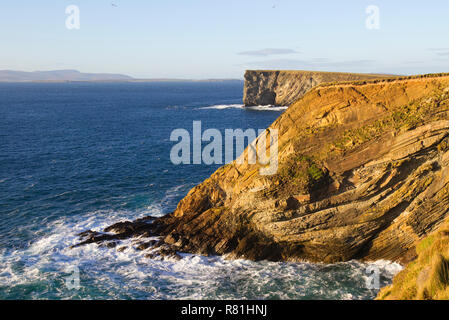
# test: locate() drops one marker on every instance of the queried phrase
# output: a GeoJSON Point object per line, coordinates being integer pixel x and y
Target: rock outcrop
{"type": "Point", "coordinates": [282, 88]}
{"type": "Point", "coordinates": [363, 174]}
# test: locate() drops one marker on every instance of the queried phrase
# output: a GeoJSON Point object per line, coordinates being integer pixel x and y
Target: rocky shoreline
{"type": "Point", "coordinates": [363, 174]}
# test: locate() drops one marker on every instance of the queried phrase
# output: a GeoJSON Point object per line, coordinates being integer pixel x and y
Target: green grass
{"type": "Point", "coordinates": [301, 174]}
{"type": "Point", "coordinates": [426, 278]}
{"type": "Point", "coordinates": [402, 119]}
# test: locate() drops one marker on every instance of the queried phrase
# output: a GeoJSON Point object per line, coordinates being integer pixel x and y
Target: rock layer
{"type": "Point", "coordinates": [363, 174]}
{"type": "Point", "coordinates": [282, 88]}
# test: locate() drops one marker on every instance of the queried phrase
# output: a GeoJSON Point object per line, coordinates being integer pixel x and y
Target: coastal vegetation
{"type": "Point", "coordinates": [427, 277]}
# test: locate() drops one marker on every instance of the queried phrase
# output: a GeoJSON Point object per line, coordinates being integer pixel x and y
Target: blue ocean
{"type": "Point", "coordinates": [78, 156]}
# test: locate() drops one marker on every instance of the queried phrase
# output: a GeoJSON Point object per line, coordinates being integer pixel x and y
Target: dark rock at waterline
{"type": "Point", "coordinates": [118, 231]}
{"type": "Point", "coordinates": [138, 229]}
{"type": "Point", "coordinates": [164, 254]}
{"type": "Point", "coordinates": [109, 244]}
{"type": "Point", "coordinates": [146, 245]}
{"type": "Point", "coordinates": [126, 228]}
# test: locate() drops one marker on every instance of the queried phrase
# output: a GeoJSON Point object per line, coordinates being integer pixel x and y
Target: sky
{"type": "Point", "coordinates": [203, 39]}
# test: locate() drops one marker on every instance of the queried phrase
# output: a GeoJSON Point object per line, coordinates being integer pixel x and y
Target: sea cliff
{"type": "Point", "coordinates": [282, 88]}
{"type": "Point", "coordinates": [363, 174]}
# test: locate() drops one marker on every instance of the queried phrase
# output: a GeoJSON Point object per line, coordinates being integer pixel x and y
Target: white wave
{"type": "Point", "coordinates": [40, 270]}
{"type": "Point", "coordinates": [224, 106]}
{"type": "Point", "coordinates": [240, 106]}
{"type": "Point", "coordinates": [267, 108]}
{"type": "Point", "coordinates": [172, 107]}
{"type": "Point", "coordinates": [111, 274]}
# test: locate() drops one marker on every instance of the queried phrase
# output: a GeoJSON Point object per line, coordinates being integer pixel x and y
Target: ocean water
{"type": "Point", "coordinates": [77, 156]}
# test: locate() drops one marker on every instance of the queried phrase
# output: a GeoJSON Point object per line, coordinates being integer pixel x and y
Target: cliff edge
{"type": "Point", "coordinates": [282, 88]}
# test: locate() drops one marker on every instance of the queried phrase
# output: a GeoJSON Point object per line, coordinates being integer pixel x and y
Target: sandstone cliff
{"type": "Point", "coordinates": [363, 174]}
{"type": "Point", "coordinates": [282, 88]}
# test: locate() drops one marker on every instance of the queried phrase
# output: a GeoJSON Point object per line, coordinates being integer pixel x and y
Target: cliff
{"type": "Point", "coordinates": [363, 174]}
{"type": "Point", "coordinates": [282, 88]}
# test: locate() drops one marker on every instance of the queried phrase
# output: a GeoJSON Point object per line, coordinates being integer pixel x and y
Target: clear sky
{"type": "Point", "coordinates": [220, 39]}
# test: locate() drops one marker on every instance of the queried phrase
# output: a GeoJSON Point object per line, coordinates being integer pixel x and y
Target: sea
{"type": "Point", "coordinates": [77, 156]}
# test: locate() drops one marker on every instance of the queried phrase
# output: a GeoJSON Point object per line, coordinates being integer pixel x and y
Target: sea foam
{"type": "Point", "coordinates": [240, 106]}
{"type": "Point", "coordinates": [40, 271]}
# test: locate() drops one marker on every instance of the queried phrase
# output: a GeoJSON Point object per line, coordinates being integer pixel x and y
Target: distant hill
{"type": "Point", "coordinates": [58, 75]}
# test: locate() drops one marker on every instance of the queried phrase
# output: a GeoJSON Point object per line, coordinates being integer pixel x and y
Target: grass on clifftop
{"type": "Point", "coordinates": [304, 173]}
{"type": "Point", "coordinates": [426, 278]}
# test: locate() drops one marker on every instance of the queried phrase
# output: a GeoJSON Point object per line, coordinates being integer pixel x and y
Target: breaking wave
{"type": "Point", "coordinates": [41, 270]}
{"type": "Point", "coordinates": [240, 106]}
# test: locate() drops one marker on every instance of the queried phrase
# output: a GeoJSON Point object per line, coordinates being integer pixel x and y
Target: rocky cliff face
{"type": "Point", "coordinates": [363, 174]}
{"type": "Point", "coordinates": [282, 88]}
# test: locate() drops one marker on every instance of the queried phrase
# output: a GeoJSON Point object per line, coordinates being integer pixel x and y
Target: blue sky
{"type": "Point", "coordinates": [220, 39]}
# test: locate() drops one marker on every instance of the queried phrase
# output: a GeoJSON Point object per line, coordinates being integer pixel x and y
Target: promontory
{"type": "Point", "coordinates": [282, 88]}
